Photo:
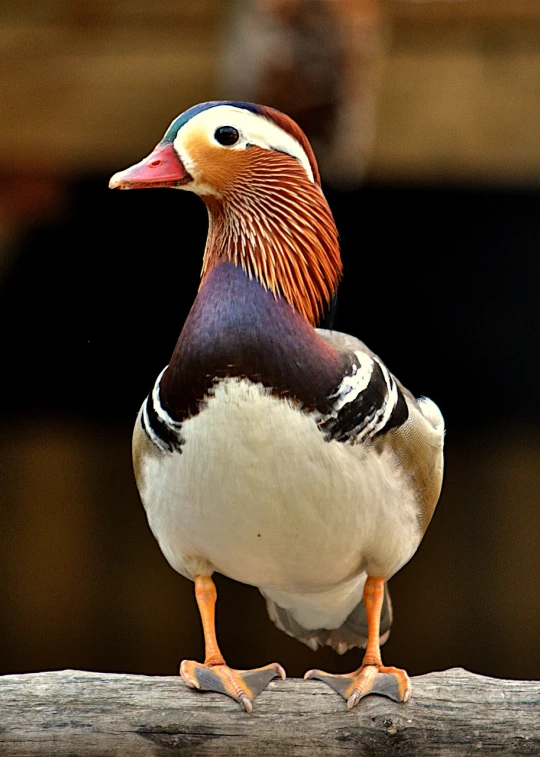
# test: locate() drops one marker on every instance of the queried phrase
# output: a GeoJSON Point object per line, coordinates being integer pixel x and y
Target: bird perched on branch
{"type": "Point", "coordinates": [281, 455]}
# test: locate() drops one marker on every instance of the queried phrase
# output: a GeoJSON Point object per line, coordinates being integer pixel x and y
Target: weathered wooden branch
{"type": "Point", "coordinates": [104, 715]}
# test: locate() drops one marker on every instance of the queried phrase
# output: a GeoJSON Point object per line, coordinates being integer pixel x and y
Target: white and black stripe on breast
{"type": "Point", "coordinates": [161, 429]}
{"type": "Point", "coordinates": [237, 329]}
{"type": "Point", "coordinates": [368, 402]}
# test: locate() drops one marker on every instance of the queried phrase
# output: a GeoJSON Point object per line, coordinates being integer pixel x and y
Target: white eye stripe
{"type": "Point", "coordinates": [253, 129]}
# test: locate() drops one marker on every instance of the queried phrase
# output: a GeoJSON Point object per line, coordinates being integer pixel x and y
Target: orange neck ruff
{"type": "Point", "coordinates": [276, 224]}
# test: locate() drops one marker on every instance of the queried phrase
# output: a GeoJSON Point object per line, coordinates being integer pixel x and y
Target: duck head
{"type": "Point", "coordinates": [254, 168]}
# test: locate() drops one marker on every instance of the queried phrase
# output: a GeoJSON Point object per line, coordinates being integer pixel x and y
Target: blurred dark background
{"type": "Point", "coordinates": [425, 119]}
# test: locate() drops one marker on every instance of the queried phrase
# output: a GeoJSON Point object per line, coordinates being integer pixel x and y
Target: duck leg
{"type": "Point", "coordinates": [372, 677]}
{"type": "Point", "coordinates": [214, 674]}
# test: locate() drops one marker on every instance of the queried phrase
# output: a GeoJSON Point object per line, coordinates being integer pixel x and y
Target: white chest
{"type": "Point", "coordinates": [257, 494]}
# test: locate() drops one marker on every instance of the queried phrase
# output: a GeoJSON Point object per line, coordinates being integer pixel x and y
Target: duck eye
{"type": "Point", "coordinates": [227, 135]}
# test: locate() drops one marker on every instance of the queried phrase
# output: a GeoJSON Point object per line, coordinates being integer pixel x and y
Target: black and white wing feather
{"type": "Point", "coordinates": [371, 406]}
{"type": "Point", "coordinates": [369, 400]}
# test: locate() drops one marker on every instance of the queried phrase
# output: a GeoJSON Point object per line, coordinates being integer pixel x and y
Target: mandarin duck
{"type": "Point", "coordinates": [281, 455]}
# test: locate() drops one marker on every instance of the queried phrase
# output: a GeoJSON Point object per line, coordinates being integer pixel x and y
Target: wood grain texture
{"type": "Point", "coordinates": [78, 713]}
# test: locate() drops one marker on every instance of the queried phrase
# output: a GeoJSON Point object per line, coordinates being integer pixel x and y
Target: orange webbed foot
{"type": "Point", "coordinates": [390, 682]}
{"type": "Point", "coordinates": [241, 685]}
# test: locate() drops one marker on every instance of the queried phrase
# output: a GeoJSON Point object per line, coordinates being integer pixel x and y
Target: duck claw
{"type": "Point", "coordinates": [241, 685]}
{"type": "Point", "coordinates": [390, 682]}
